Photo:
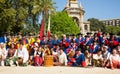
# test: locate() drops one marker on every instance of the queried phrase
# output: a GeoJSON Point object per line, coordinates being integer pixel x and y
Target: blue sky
{"type": "Point", "coordinates": [100, 9]}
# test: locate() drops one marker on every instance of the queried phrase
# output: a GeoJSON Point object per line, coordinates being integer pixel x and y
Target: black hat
{"type": "Point", "coordinates": [79, 49]}
{"type": "Point", "coordinates": [111, 34]}
{"type": "Point", "coordinates": [44, 36]}
{"type": "Point", "coordinates": [118, 34]}
{"type": "Point", "coordinates": [95, 33]}
{"type": "Point", "coordinates": [4, 32]}
{"type": "Point", "coordinates": [18, 33]}
{"type": "Point", "coordinates": [79, 34]}
{"type": "Point", "coordinates": [30, 34]}
{"type": "Point", "coordinates": [12, 34]}
{"type": "Point", "coordinates": [88, 33]}
{"type": "Point", "coordinates": [37, 36]}
{"type": "Point", "coordinates": [23, 35]}
{"type": "Point", "coordinates": [68, 35]}
{"type": "Point", "coordinates": [94, 41]}
{"type": "Point", "coordinates": [104, 33]}
{"type": "Point", "coordinates": [86, 36]}
{"type": "Point", "coordinates": [73, 35]}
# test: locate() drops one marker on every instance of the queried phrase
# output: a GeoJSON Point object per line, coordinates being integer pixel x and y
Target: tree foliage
{"type": "Point", "coordinates": [17, 14]}
{"type": "Point", "coordinates": [95, 25]}
{"type": "Point", "coordinates": [61, 23]}
{"type": "Point", "coordinates": [113, 29]}
{"type": "Point", "coordinates": [44, 7]}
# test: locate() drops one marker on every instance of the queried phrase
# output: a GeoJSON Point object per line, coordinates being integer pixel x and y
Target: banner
{"type": "Point", "coordinates": [42, 29]}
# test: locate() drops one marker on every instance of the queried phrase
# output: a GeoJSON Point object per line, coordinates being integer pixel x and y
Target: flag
{"type": "Point", "coordinates": [42, 29]}
{"type": "Point", "coordinates": [48, 33]}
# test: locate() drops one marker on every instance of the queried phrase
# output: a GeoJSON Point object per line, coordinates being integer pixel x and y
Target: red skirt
{"type": "Point", "coordinates": [38, 61]}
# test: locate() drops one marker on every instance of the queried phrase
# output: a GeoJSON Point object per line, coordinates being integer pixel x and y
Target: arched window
{"type": "Point", "coordinates": [86, 27]}
{"type": "Point", "coordinates": [76, 20]}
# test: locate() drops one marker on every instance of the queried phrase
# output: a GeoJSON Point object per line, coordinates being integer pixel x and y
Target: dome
{"type": "Point", "coordinates": [72, 0]}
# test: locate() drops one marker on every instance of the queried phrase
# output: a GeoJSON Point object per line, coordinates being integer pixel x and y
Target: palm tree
{"type": "Point", "coordinates": [44, 8]}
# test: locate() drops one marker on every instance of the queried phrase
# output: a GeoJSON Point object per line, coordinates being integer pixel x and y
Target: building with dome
{"type": "Point", "coordinates": [76, 11]}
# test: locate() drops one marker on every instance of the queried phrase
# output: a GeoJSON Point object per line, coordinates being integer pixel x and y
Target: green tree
{"type": "Point", "coordinates": [113, 29]}
{"type": "Point", "coordinates": [17, 14]}
{"type": "Point", "coordinates": [95, 25]}
{"type": "Point", "coordinates": [12, 15]}
{"type": "Point", "coordinates": [21, 14]}
{"type": "Point", "coordinates": [61, 23]}
{"type": "Point", "coordinates": [7, 14]}
{"type": "Point", "coordinates": [44, 7]}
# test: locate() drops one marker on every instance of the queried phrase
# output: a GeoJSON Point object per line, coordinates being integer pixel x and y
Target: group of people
{"type": "Point", "coordinates": [98, 49]}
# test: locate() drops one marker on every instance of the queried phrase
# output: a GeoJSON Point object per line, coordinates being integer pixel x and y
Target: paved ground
{"type": "Point", "coordinates": [56, 70]}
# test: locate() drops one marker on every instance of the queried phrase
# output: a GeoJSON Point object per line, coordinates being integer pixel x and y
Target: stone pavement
{"type": "Point", "coordinates": [56, 70]}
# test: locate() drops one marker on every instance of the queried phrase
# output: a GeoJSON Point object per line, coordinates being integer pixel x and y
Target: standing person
{"type": "Point", "coordinates": [80, 40]}
{"type": "Point", "coordinates": [22, 55]}
{"type": "Point", "coordinates": [50, 42]}
{"type": "Point", "coordinates": [69, 38]}
{"type": "Point", "coordinates": [74, 39]}
{"type": "Point", "coordinates": [88, 40]}
{"type": "Point", "coordinates": [113, 41]}
{"type": "Point", "coordinates": [43, 41]}
{"type": "Point", "coordinates": [62, 59]}
{"type": "Point", "coordinates": [65, 43]}
{"type": "Point", "coordinates": [37, 40]}
{"type": "Point", "coordinates": [25, 41]}
{"type": "Point", "coordinates": [3, 54]}
{"type": "Point", "coordinates": [95, 47]}
{"type": "Point", "coordinates": [56, 41]}
{"type": "Point", "coordinates": [118, 39]}
{"type": "Point", "coordinates": [4, 38]}
{"type": "Point", "coordinates": [12, 39]}
{"type": "Point", "coordinates": [96, 38]}
{"type": "Point", "coordinates": [103, 39]}
{"type": "Point", "coordinates": [30, 41]}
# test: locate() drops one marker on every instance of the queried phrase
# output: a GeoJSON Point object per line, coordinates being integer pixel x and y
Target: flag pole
{"type": "Point", "coordinates": [48, 32]}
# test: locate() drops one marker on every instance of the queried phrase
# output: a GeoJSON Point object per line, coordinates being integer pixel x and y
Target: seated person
{"type": "Point", "coordinates": [114, 59]}
{"type": "Point", "coordinates": [3, 54]}
{"type": "Point", "coordinates": [105, 55]}
{"type": "Point", "coordinates": [38, 57]}
{"type": "Point", "coordinates": [55, 52]}
{"type": "Point", "coordinates": [97, 59]}
{"type": "Point", "coordinates": [22, 55]}
{"type": "Point", "coordinates": [62, 59]}
{"type": "Point", "coordinates": [78, 59]}
{"type": "Point", "coordinates": [88, 57]}
{"type": "Point", "coordinates": [33, 49]}
{"type": "Point", "coordinates": [11, 59]}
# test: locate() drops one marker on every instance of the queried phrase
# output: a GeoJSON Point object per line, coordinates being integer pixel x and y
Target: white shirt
{"type": "Point", "coordinates": [95, 56]}
{"type": "Point", "coordinates": [3, 52]}
{"type": "Point", "coordinates": [114, 57]}
{"type": "Point", "coordinates": [106, 55]}
{"type": "Point", "coordinates": [63, 58]}
{"type": "Point", "coordinates": [23, 53]}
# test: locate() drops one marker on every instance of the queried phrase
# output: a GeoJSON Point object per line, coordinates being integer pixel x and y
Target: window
{"type": "Point", "coordinates": [86, 27]}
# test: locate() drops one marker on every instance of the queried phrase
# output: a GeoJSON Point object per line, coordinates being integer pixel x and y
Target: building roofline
{"type": "Point", "coordinates": [109, 19]}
